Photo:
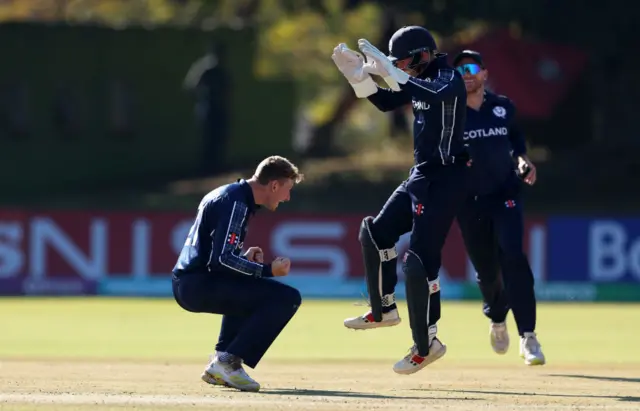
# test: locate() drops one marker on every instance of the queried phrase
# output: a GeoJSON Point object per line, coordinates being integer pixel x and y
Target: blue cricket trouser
{"type": "Point", "coordinates": [255, 310]}
{"type": "Point", "coordinates": [492, 228]}
{"type": "Point", "coordinates": [425, 205]}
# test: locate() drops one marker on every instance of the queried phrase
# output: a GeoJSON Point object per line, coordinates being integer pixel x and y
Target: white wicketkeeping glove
{"type": "Point", "coordinates": [378, 64]}
{"type": "Point", "coordinates": [351, 65]}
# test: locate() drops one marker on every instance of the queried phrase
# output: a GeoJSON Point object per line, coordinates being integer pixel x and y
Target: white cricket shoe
{"type": "Point", "coordinates": [366, 321]}
{"type": "Point", "coordinates": [207, 377]}
{"type": "Point", "coordinates": [531, 350]}
{"type": "Point", "coordinates": [499, 337]}
{"type": "Point", "coordinates": [229, 374]}
{"type": "Point", "coordinates": [413, 362]}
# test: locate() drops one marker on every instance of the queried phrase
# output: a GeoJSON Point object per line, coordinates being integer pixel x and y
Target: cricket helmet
{"type": "Point", "coordinates": [411, 44]}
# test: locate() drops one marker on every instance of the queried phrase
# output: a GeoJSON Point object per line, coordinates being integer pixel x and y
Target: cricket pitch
{"type": "Point", "coordinates": [102, 354]}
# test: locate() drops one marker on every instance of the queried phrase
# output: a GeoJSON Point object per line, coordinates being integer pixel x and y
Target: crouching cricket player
{"type": "Point", "coordinates": [211, 276]}
{"type": "Point", "coordinates": [428, 201]}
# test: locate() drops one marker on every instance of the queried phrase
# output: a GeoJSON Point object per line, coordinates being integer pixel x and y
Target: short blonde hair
{"type": "Point", "coordinates": [277, 168]}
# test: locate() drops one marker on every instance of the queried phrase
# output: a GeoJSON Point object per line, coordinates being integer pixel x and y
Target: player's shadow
{"type": "Point", "coordinates": [596, 377]}
{"type": "Point", "coordinates": [349, 394]}
{"type": "Point", "coordinates": [534, 394]}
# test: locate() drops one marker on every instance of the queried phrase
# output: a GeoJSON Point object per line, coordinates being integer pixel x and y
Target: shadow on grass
{"type": "Point", "coordinates": [596, 377]}
{"type": "Point", "coordinates": [349, 394]}
{"type": "Point", "coordinates": [533, 394]}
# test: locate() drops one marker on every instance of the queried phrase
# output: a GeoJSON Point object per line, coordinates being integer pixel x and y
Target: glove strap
{"type": "Point", "coordinates": [397, 76]}
{"type": "Point", "coordinates": [392, 83]}
{"type": "Point", "coordinates": [365, 88]}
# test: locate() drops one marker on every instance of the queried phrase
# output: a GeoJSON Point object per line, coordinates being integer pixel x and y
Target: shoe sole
{"type": "Point", "coordinates": [370, 326]}
{"type": "Point", "coordinates": [428, 360]}
{"type": "Point", "coordinates": [218, 379]}
{"type": "Point", "coordinates": [498, 351]}
{"type": "Point", "coordinates": [537, 361]}
{"type": "Point", "coordinates": [211, 379]}
{"type": "Point", "coordinates": [493, 342]}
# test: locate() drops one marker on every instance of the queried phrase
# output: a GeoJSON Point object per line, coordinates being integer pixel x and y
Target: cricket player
{"type": "Point", "coordinates": [491, 220]}
{"type": "Point", "coordinates": [211, 275]}
{"type": "Point", "coordinates": [428, 201]}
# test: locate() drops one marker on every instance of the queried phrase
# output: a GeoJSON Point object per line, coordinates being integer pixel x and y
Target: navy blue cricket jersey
{"type": "Point", "coordinates": [493, 140]}
{"type": "Point", "coordinates": [215, 240]}
{"type": "Point", "coordinates": [439, 98]}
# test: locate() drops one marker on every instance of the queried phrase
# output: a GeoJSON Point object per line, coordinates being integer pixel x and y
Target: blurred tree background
{"type": "Point", "coordinates": [295, 39]}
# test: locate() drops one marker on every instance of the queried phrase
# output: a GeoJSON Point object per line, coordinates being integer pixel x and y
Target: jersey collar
{"type": "Point", "coordinates": [250, 200]}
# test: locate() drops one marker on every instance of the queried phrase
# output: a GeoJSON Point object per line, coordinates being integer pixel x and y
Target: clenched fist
{"type": "Point", "coordinates": [255, 254]}
{"type": "Point", "coordinates": [280, 266]}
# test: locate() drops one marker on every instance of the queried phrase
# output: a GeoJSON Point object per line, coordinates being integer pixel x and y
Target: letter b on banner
{"type": "Point", "coordinates": [612, 254]}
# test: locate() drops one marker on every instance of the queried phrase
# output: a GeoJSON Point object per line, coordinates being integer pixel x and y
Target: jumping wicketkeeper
{"type": "Point", "coordinates": [428, 201]}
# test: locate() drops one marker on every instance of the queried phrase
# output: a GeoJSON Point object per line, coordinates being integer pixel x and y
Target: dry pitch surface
{"type": "Point", "coordinates": [102, 354]}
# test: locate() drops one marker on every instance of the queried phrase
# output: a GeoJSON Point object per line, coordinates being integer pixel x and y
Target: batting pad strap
{"type": "Point", "coordinates": [365, 88]}
{"type": "Point", "coordinates": [388, 254]}
{"type": "Point", "coordinates": [433, 330]}
{"type": "Point", "coordinates": [388, 300]}
{"type": "Point", "coordinates": [434, 286]}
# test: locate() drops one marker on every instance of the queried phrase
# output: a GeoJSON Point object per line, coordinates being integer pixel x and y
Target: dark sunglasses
{"type": "Point", "coordinates": [470, 68]}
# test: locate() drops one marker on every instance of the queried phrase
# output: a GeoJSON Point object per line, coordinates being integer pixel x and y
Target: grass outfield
{"type": "Point", "coordinates": [83, 354]}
